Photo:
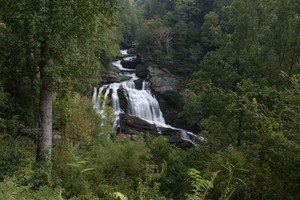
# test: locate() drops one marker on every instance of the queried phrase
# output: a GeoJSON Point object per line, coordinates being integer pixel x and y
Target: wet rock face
{"type": "Point", "coordinates": [131, 125]}
{"type": "Point", "coordinates": [174, 137]}
{"type": "Point", "coordinates": [122, 100]}
{"type": "Point", "coordinates": [139, 83]}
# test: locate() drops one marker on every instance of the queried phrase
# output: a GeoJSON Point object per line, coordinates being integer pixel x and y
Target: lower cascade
{"type": "Point", "coordinates": [142, 112]}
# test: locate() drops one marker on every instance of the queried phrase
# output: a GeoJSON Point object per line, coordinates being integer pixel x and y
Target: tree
{"type": "Point", "coordinates": [127, 16]}
{"type": "Point", "coordinates": [239, 96]}
{"type": "Point", "coordinates": [60, 39]}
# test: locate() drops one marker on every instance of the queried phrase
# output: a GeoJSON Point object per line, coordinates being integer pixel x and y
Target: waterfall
{"type": "Point", "coordinates": [146, 85]}
{"type": "Point", "coordinates": [95, 99]}
{"type": "Point", "coordinates": [140, 102]}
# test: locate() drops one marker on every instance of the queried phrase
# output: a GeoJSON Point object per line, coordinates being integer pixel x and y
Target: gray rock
{"type": "Point", "coordinates": [130, 64]}
{"type": "Point", "coordinates": [113, 76]}
{"type": "Point", "coordinates": [162, 80]}
{"type": "Point", "coordinates": [174, 137]}
{"type": "Point", "coordinates": [131, 125]}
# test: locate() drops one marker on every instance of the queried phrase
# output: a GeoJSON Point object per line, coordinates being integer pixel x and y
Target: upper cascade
{"type": "Point", "coordinates": [141, 102]}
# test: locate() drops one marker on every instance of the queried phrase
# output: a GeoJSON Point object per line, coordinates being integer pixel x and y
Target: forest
{"type": "Point", "coordinates": [238, 66]}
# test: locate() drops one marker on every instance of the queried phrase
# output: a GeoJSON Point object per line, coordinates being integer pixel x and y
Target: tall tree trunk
{"type": "Point", "coordinates": [45, 108]}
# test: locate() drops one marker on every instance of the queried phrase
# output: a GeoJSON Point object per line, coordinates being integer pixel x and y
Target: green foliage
{"type": "Point", "coordinates": [172, 39]}
{"type": "Point", "coordinates": [58, 46]}
{"type": "Point", "coordinates": [20, 178]}
{"type": "Point", "coordinates": [232, 174]}
{"type": "Point", "coordinates": [200, 186]}
{"type": "Point", "coordinates": [76, 34]}
{"type": "Point", "coordinates": [244, 99]}
{"type": "Point", "coordinates": [155, 8]}
{"type": "Point", "coordinates": [149, 188]}
{"type": "Point", "coordinates": [119, 195]}
{"type": "Point", "coordinates": [10, 189]}
{"type": "Point", "coordinates": [127, 16]}
{"type": "Point", "coordinates": [153, 39]}
{"type": "Point", "coordinates": [226, 171]}
{"type": "Point", "coordinates": [107, 167]}
{"type": "Point", "coordinates": [75, 119]}
{"type": "Point", "coordinates": [16, 154]}
{"type": "Point", "coordinates": [174, 99]}
{"type": "Point", "coordinates": [169, 159]}
{"type": "Point", "coordinates": [3, 105]}
{"type": "Point", "coordinates": [238, 97]}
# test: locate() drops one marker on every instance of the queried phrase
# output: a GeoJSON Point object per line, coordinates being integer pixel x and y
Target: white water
{"type": "Point", "coordinates": [95, 99]}
{"type": "Point", "coordinates": [130, 58]}
{"type": "Point", "coordinates": [124, 52]}
{"type": "Point", "coordinates": [121, 68]}
{"type": "Point", "coordinates": [140, 103]}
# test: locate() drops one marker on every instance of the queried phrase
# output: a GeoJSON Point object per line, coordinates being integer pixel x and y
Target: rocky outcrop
{"type": "Point", "coordinates": [131, 125]}
{"type": "Point", "coordinates": [162, 80]}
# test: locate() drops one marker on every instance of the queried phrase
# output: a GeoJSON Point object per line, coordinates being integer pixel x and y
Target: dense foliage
{"type": "Point", "coordinates": [239, 57]}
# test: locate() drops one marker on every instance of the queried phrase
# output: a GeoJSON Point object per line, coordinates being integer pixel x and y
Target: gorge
{"type": "Point", "coordinates": [135, 107]}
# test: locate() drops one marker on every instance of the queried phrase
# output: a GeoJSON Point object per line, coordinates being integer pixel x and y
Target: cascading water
{"type": "Point", "coordinates": [140, 102]}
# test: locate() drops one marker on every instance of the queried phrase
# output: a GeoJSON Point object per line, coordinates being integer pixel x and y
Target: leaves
{"type": "Point", "coordinates": [200, 185]}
